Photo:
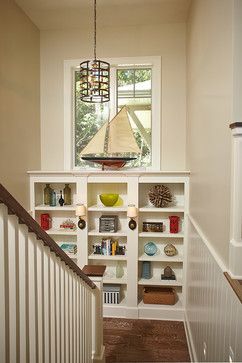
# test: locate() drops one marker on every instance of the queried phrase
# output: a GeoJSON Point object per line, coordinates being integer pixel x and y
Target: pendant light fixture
{"type": "Point", "coordinates": [95, 75]}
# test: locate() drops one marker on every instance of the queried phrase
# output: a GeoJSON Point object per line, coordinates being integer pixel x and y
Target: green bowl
{"type": "Point", "coordinates": [109, 199]}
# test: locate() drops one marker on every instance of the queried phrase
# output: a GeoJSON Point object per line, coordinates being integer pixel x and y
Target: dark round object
{"type": "Point", "coordinates": [132, 224]}
{"type": "Point", "coordinates": [160, 196]}
{"type": "Point", "coordinates": [81, 223]}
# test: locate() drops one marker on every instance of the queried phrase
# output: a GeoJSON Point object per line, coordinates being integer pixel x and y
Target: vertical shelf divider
{"type": "Point", "coordinates": [82, 234]}
{"type": "Point", "coordinates": [132, 258]}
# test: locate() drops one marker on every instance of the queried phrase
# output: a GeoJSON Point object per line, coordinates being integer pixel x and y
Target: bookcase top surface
{"type": "Point", "coordinates": [122, 172]}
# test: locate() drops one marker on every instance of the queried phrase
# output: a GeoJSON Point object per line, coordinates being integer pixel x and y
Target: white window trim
{"type": "Point", "coordinates": [71, 65]}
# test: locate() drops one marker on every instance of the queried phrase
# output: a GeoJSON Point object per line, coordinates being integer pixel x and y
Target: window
{"type": "Point", "coordinates": [134, 85]}
{"type": "Point", "coordinates": [134, 91]}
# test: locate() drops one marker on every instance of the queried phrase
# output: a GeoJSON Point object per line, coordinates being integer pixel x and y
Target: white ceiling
{"type": "Point", "coordinates": [69, 14]}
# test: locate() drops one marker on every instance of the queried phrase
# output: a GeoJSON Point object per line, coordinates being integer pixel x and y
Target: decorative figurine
{"type": "Point", "coordinates": [174, 224]}
{"type": "Point", "coordinates": [170, 250]}
{"type": "Point", "coordinates": [168, 274]}
{"type": "Point", "coordinates": [61, 200]}
{"type": "Point", "coordinates": [68, 223]}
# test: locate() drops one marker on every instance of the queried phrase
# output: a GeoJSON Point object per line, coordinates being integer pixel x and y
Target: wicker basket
{"type": "Point", "coordinates": [159, 295]}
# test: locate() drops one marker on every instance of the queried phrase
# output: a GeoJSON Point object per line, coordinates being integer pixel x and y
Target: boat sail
{"type": "Point", "coordinates": [114, 144]}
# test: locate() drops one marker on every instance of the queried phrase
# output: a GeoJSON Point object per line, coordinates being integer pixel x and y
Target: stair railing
{"type": "Point", "coordinates": [45, 298]}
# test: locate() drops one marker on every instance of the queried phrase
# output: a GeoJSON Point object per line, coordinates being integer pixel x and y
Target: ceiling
{"type": "Point", "coordinates": [69, 14]}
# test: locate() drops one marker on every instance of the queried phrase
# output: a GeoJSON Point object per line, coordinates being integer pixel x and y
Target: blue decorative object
{"type": "Point", "coordinates": [146, 270]}
{"type": "Point", "coordinates": [52, 198]}
{"type": "Point", "coordinates": [150, 248]}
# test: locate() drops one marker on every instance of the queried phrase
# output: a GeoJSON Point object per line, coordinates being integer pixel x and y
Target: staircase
{"type": "Point", "coordinates": [50, 311]}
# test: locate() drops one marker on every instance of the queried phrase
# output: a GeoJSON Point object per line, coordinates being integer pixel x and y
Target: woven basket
{"type": "Point", "coordinates": [159, 295]}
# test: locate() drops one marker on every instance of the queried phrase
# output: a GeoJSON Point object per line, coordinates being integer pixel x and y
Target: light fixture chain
{"type": "Point", "coordinates": [95, 74]}
{"type": "Point", "coordinates": [95, 28]}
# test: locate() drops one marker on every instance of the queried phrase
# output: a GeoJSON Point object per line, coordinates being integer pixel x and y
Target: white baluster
{"type": "Point", "coordinates": [77, 320]}
{"type": "Point", "coordinates": [89, 324]}
{"type": "Point", "coordinates": [57, 308]}
{"type": "Point", "coordinates": [46, 289]}
{"type": "Point", "coordinates": [32, 324]}
{"type": "Point", "coordinates": [70, 314]}
{"type": "Point", "coordinates": [81, 321]}
{"type": "Point", "coordinates": [3, 239]}
{"type": "Point", "coordinates": [12, 295]}
{"type": "Point", "coordinates": [39, 305]}
{"type": "Point", "coordinates": [67, 343]}
{"type": "Point", "coordinates": [62, 311]}
{"type": "Point", "coordinates": [74, 318]}
{"type": "Point", "coordinates": [82, 292]}
{"type": "Point", "coordinates": [52, 309]}
{"type": "Point", "coordinates": [22, 273]}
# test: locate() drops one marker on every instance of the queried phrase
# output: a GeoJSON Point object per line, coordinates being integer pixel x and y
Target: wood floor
{"type": "Point", "coordinates": [129, 340]}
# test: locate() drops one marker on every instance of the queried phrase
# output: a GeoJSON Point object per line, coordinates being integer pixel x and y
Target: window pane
{"type": "Point", "coordinates": [126, 76]}
{"type": "Point", "coordinates": [134, 91]}
{"type": "Point", "coordinates": [89, 118]}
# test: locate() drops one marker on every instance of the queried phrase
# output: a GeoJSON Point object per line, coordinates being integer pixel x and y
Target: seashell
{"type": "Point", "coordinates": [170, 250]}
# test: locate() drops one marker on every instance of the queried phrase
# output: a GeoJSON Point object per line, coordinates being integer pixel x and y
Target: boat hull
{"type": "Point", "coordinates": [109, 162]}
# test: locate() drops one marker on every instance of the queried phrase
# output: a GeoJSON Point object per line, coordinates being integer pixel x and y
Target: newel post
{"type": "Point", "coordinates": [235, 249]}
{"type": "Point", "coordinates": [95, 273]}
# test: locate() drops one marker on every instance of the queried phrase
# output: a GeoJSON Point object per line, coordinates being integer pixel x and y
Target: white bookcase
{"type": "Point", "coordinates": [132, 188]}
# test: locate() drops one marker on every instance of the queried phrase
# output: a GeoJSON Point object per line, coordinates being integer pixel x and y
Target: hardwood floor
{"type": "Point", "coordinates": [131, 340]}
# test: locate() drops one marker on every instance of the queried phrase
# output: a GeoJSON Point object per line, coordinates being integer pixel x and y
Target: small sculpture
{"type": "Point", "coordinates": [160, 196]}
{"type": "Point", "coordinates": [168, 274]}
{"type": "Point", "coordinates": [68, 224]}
{"type": "Point", "coordinates": [61, 200]}
{"type": "Point", "coordinates": [170, 250]}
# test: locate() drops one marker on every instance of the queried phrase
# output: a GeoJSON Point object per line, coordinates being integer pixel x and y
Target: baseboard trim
{"type": "Point", "coordinates": [99, 358]}
{"type": "Point", "coordinates": [191, 347]}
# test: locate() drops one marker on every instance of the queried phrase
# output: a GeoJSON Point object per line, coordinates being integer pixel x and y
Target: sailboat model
{"type": "Point", "coordinates": [114, 144]}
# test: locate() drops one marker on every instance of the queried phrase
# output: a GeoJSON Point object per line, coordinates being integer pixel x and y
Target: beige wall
{"type": "Point", "coordinates": [19, 99]}
{"type": "Point", "coordinates": [210, 72]}
{"type": "Point", "coordinates": [165, 40]}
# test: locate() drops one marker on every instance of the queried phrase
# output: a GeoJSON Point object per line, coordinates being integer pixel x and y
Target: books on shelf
{"type": "Point", "coordinates": [109, 247]}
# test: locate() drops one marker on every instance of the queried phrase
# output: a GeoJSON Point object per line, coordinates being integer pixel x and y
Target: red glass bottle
{"type": "Point", "coordinates": [45, 221]}
{"type": "Point", "coordinates": [174, 224]}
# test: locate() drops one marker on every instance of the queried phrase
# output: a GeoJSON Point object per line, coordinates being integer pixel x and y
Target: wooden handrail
{"type": "Point", "coordinates": [236, 285]}
{"type": "Point", "coordinates": [235, 124]}
{"type": "Point", "coordinates": [25, 218]}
